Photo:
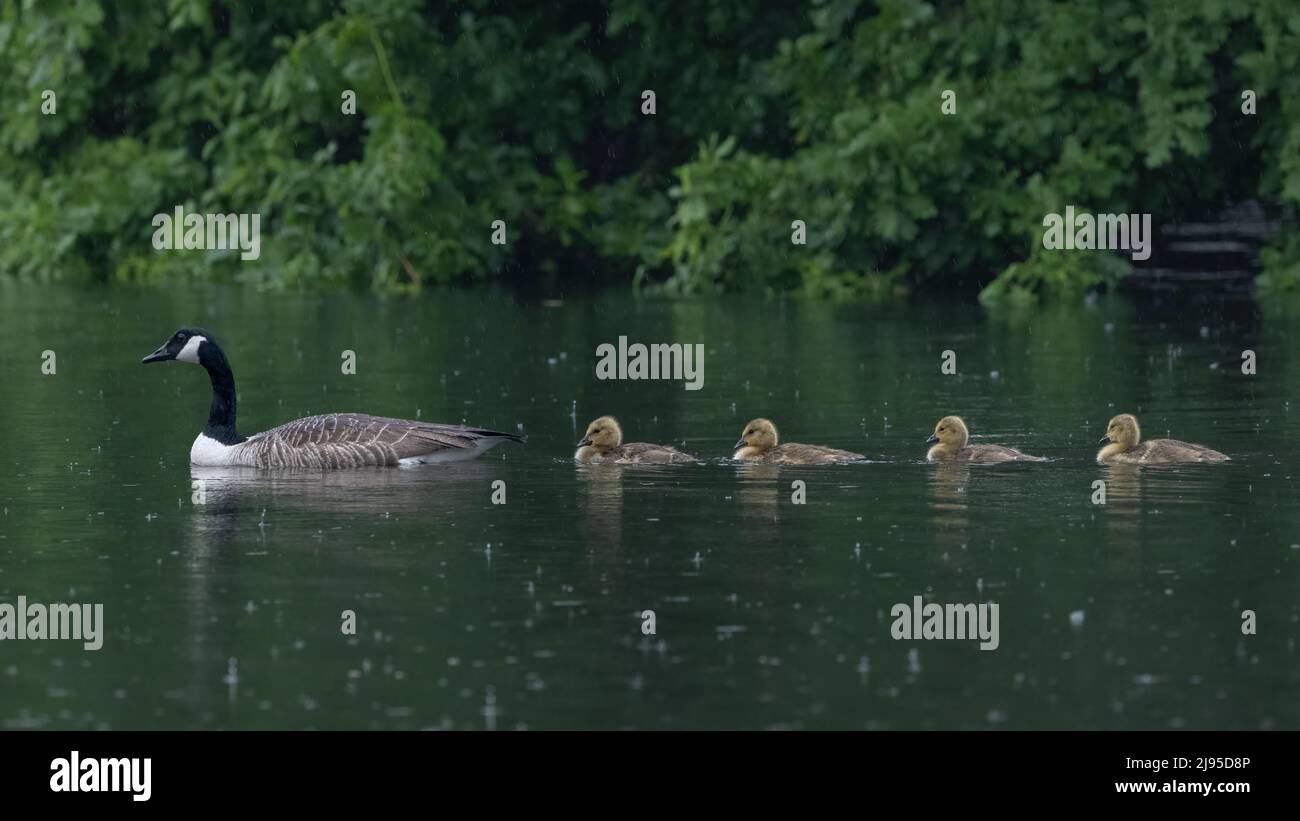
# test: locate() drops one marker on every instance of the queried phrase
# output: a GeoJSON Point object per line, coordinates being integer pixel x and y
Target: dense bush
{"type": "Point", "coordinates": [475, 111]}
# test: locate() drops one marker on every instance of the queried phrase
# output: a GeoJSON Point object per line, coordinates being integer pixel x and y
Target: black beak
{"type": "Point", "coordinates": [586, 440]}
{"type": "Point", "coordinates": [933, 438]}
{"type": "Point", "coordinates": [740, 444]}
{"type": "Point", "coordinates": [160, 355]}
{"type": "Point", "coordinates": [1105, 440]}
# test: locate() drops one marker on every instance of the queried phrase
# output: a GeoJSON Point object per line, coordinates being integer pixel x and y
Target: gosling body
{"type": "Point", "coordinates": [759, 442]}
{"type": "Point", "coordinates": [603, 443]}
{"type": "Point", "coordinates": [1124, 445]}
{"type": "Point", "coordinates": [951, 443]}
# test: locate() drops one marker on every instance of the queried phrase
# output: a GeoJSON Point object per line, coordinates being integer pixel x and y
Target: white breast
{"type": "Point", "coordinates": [208, 452]}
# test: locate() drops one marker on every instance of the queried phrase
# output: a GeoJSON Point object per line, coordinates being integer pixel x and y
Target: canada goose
{"type": "Point", "coordinates": [1123, 444]}
{"type": "Point", "coordinates": [950, 440]}
{"type": "Point", "coordinates": [759, 443]}
{"type": "Point", "coordinates": [332, 440]}
{"type": "Point", "coordinates": [603, 442]}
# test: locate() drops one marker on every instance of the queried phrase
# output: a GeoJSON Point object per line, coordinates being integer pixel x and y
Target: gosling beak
{"type": "Point", "coordinates": [1105, 440]}
{"type": "Point", "coordinates": [740, 443]}
{"type": "Point", "coordinates": [160, 355]}
{"type": "Point", "coordinates": [586, 440]}
{"type": "Point", "coordinates": [933, 438]}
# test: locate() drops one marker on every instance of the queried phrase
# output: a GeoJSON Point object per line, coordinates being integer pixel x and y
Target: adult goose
{"type": "Point", "coordinates": [332, 440]}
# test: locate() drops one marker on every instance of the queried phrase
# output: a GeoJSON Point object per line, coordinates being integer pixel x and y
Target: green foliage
{"type": "Point", "coordinates": [1281, 265]}
{"type": "Point", "coordinates": [1056, 273]}
{"type": "Point", "coordinates": [1052, 110]}
{"type": "Point", "coordinates": [476, 111]}
{"type": "Point", "coordinates": [466, 115]}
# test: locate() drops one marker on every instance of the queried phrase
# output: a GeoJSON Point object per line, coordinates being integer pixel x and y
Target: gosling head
{"type": "Point", "coordinates": [1123, 430]}
{"type": "Point", "coordinates": [950, 432]}
{"type": "Point", "coordinates": [193, 345]}
{"type": "Point", "coordinates": [759, 434]}
{"type": "Point", "coordinates": [603, 434]}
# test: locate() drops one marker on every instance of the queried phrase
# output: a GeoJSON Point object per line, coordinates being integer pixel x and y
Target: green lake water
{"type": "Point", "coordinates": [768, 614]}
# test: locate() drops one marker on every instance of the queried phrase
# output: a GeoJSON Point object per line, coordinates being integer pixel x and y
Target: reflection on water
{"type": "Point", "coordinates": [383, 491]}
{"type": "Point", "coordinates": [949, 494]}
{"type": "Point", "coordinates": [757, 492]}
{"type": "Point", "coordinates": [601, 490]}
{"type": "Point", "coordinates": [1123, 498]}
{"type": "Point", "coordinates": [948, 481]}
{"type": "Point", "coordinates": [527, 614]}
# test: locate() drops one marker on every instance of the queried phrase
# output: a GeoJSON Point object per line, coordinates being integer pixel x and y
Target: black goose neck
{"type": "Point", "coordinates": [221, 416]}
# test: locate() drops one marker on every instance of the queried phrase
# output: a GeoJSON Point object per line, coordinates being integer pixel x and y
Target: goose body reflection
{"type": "Point", "coordinates": [245, 490]}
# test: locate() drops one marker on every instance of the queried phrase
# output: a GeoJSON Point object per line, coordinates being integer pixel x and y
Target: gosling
{"type": "Point", "coordinates": [950, 440]}
{"type": "Point", "coordinates": [759, 443]}
{"type": "Point", "coordinates": [603, 442]}
{"type": "Point", "coordinates": [1124, 445]}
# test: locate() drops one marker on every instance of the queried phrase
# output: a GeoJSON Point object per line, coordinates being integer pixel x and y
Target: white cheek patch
{"type": "Point", "coordinates": [190, 353]}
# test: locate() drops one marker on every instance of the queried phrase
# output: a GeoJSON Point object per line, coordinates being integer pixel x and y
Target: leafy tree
{"type": "Point", "coordinates": [476, 111]}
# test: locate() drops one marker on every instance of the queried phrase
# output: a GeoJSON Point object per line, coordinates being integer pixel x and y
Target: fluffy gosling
{"type": "Point", "coordinates": [951, 443]}
{"type": "Point", "coordinates": [1124, 445]}
{"type": "Point", "coordinates": [759, 443]}
{"type": "Point", "coordinates": [603, 442]}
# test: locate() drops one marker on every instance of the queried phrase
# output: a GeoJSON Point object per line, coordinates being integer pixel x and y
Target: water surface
{"type": "Point", "coordinates": [768, 614]}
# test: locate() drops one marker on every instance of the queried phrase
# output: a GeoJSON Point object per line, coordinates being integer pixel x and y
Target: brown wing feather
{"type": "Point", "coordinates": [646, 452]}
{"type": "Point", "coordinates": [797, 454]}
{"type": "Point", "coordinates": [1173, 450]}
{"type": "Point", "coordinates": [996, 453]}
{"type": "Point", "coordinates": [336, 440]}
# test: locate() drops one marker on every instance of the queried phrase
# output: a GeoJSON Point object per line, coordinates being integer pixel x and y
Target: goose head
{"type": "Point", "coordinates": [950, 432]}
{"type": "Point", "coordinates": [1123, 430]}
{"type": "Point", "coordinates": [760, 435]}
{"type": "Point", "coordinates": [186, 345]}
{"type": "Point", "coordinates": [603, 434]}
